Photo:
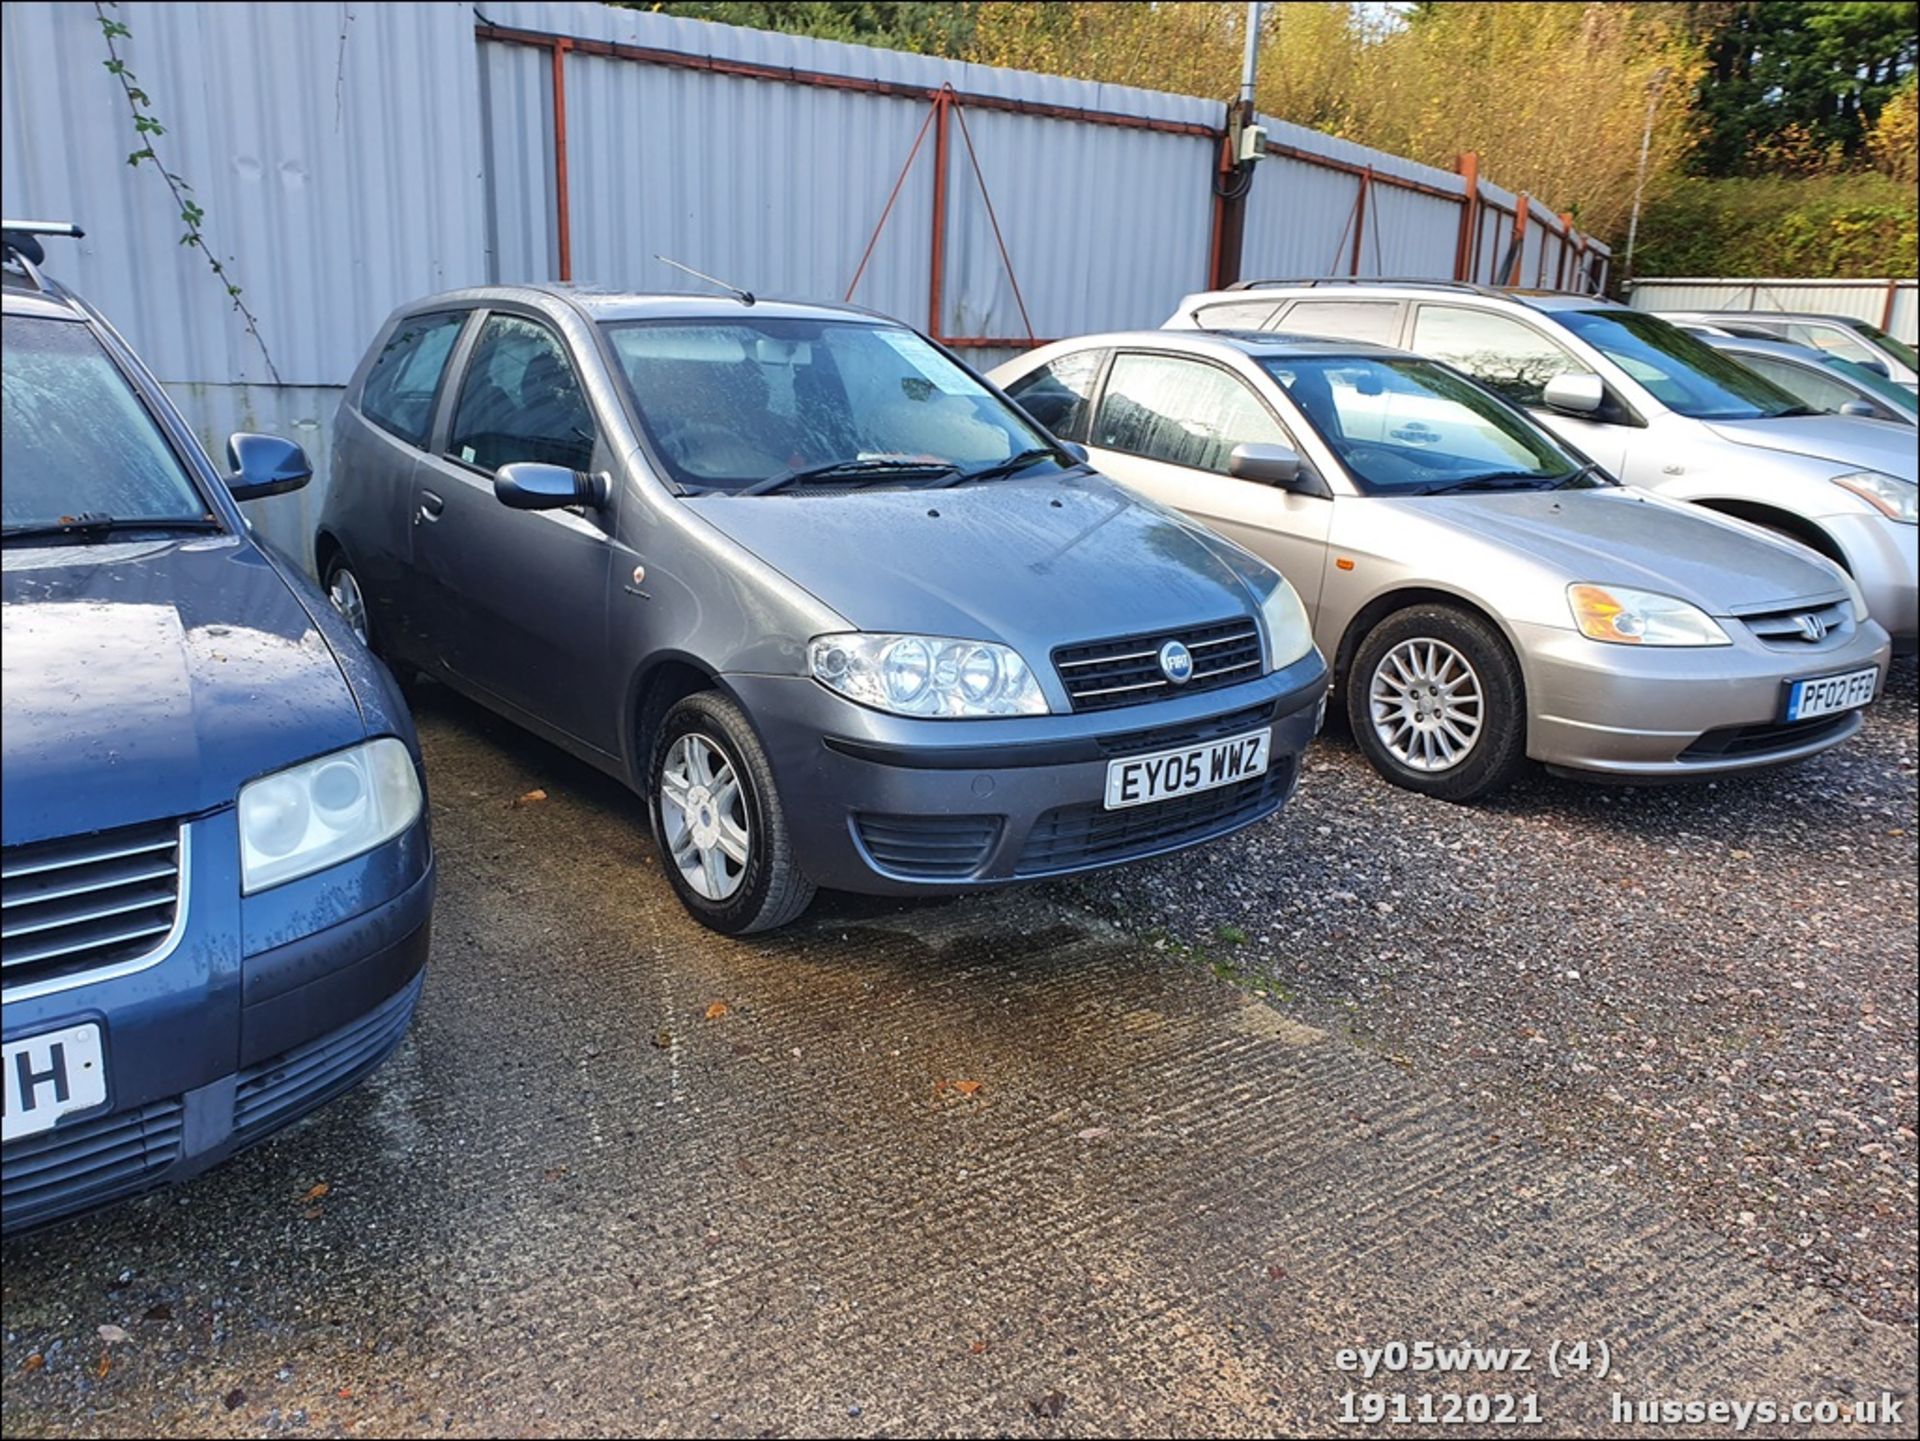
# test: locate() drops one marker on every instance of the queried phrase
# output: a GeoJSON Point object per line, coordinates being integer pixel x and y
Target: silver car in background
{"type": "Point", "coordinates": [1484, 593]}
{"type": "Point", "coordinates": [1842, 336]}
{"type": "Point", "coordinates": [1655, 406]}
{"type": "Point", "coordinates": [1819, 379]}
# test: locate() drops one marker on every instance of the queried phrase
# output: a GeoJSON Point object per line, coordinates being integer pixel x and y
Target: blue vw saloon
{"type": "Point", "coordinates": [217, 872]}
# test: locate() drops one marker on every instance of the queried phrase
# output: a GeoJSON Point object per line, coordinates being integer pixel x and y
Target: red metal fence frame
{"type": "Point", "coordinates": [944, 98]}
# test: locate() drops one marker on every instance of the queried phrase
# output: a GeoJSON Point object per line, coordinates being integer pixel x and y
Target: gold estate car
{"type": "Point", "coordinates": [1484, 593]}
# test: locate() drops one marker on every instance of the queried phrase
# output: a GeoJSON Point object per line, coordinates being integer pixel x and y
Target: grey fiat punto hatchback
{"type": "Point", "coordinates": [840, 611]}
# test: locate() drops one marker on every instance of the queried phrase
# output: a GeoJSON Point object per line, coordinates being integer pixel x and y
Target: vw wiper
{"type": "Point", "coordinates": [1504, 480]}
{"type": "Point", "coordinates": [1012, 465]}
{"type": "Point", "coordinates": [91, 525]}
{"type": "Point", "coordinates": [846, 470]}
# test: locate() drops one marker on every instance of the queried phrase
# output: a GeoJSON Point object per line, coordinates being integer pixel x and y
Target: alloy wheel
{"type": "Point", "coordinates": [703, 816]}
{"type": "Point", "coordinates": [1426, 705]}
{"type": "Point", "coordinates": [343, 589]}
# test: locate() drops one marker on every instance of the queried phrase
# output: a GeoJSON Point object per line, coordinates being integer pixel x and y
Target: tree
{"type": "Point", "coordinates": [927, 28]}
{"type": "Point", "coordinates": [1796, 81]}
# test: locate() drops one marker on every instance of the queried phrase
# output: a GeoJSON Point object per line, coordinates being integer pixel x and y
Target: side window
{"type": "Point", "coordinates": [1802, 382]}
{"type": "Point", "coordinates": [1504, 355]}
{"type": "Point", "coordinates": [521, 401]}
{"type": "Point", "coordinates": [399, 391]}
{"type": "Point", "coordinates": [1060, 394]}
{"type": "Point", "coordinates": [1834, 340]}
{"type": "Point", "coordinates": [1184, 412]}
{"type": "Point", "coordinates": [1343, 319]}
{"type": "Point", "coordinates": [1237, 315]}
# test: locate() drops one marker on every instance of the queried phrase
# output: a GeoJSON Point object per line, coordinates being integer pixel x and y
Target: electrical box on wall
{"type": "Point", "coordinates": [1253, 144]}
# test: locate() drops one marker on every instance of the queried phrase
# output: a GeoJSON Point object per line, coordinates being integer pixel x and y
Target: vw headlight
{"type": "Point", "coordinates": [317, 814]}
{"type": "Point", "coordinates": [1289, 636]}
{"type": "Point", "coordinates": [927, 675]}
{"type": "Point", "coordinates": [1888, 494]}
{"type": "Point", "coordinates": [1638, 617]}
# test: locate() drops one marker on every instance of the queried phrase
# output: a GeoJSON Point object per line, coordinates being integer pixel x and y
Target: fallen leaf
{"type": "Point", "coordinates": [716, 1010]}
{"type": "Point", "coordinates": [345, 1393]}
{"type": "Point", "coordinates": [554, 1173]}
{"type": "Point", "coordinates": [532, 797]}
{"type": "Point", "coordinates": [978, 1348]}
{"type": "Point", "coordinates": [1276, 1273]}
{"type": "Point", "coordinates": [113, 1334]}
{"type": "Point", "coordinates": [1094, 1133]}
{"type": "Point", "coordinates": [966, 1088]}
{"type": "Point", "coordinates": [106, 1365]}
{"type": "Point", "coordinates": [159, 1311]}
{"type": "Point", "coordinates": [1047, 1406]}
{"type": "Point", "coordinates": [316, 1192]}
{"type": "Point", "coordinates": [234, 1399]}
{"type": "Point", "coordinates": [662, 1040]}
{"type": "Point", "coordinates": [33, 1363]}
{"type": "Point", "coordinates": [313, 1213]}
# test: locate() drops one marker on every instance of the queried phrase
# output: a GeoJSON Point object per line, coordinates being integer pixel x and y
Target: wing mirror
{"type": "Point", "coordinates": [1860, 408]}
{"type": "Point", "coordinates": [1576, 393]}
{"type": "Point", "coordinates": [530, 485]}
{"type": "Point", "coordinates": [265, 465]}
{"type": "Point", "coordinates": [1277, 465]}
{"type": "Point", "coordinates": [1074, 449]}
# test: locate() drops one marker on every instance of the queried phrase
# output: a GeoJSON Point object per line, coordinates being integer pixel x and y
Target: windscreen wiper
{"type": "Point", "coordinates": [877, 467]}
{"type": "Point", "coordinates": [92, 525]}
{"type": "Point", "coordinates": [1012, 465]}
{"type": "Point", "coordinates": [1591, 468]}
{"type": "Point", "coordinates": [1506, 480]}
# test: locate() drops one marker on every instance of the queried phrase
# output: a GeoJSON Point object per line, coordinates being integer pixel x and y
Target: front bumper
{"type": "Point", "coordinates": [1679, 713]}
{"type": "Point", "coordinates": [890, 805]}
{"type": "Point", "coordinates": [251, 1021]}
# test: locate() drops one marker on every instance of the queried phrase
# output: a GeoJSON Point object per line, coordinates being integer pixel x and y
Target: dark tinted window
{"type": "Point", "coordinates": [1184, 412]}
{"type": "Point", "coordinates": [1343, 319]}
{"type": "Point", "coordinates": [1060, 395]}
{"type": "Point", "coordinates": [75, 439]}
{"type": "Point", "coordinates": [521, 401]}
{"type": "Point", "coordinates": [1503, 354]}
{"type": "Point", "coordinates": [398, 395]}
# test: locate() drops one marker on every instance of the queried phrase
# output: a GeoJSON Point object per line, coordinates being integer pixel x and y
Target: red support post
{"type": "Point", "coordinates": [938, 263]}
{"type": "Point", "coordinates": [1360, 218]}
{"type": "Point", "coordinates": [1886, 306]}
{"type": "Point", "coordinates": [1468, 165]}
{"type": "Point", "coordinates": [1520, 214]}
{"type": "Point", "coordinates": [561, 206]}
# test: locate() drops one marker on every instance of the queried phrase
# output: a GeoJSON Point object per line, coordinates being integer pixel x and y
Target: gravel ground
{"type": "Point", "coordinates": [1706, 992]}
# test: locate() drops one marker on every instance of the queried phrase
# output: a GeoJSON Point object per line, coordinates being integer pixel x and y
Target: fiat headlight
{"type": "Point", "coordinates": [927, 675]}
{"type": "Point", "coordinates": [317, 814]}
{"type": "Point", "coordinates": [1289, 636]}
{"type": "Point", "coordinates": [1888, 494]}
{"type": "Point", "coordinates": [1637, 617]}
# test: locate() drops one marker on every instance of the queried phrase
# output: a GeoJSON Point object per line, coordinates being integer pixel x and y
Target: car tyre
{"type": "Point", "coordinates": [1437, 703]}
{"type": "Point", "coordinates": [718, 821]}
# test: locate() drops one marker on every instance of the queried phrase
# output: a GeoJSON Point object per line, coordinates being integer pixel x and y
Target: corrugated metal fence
{"type": "Point", "coordinates": [351, 157]}
{"type": "Point", "coordinates": [1889, 304]}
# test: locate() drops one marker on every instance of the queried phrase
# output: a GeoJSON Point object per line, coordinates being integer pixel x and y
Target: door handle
{"type": "Point", "coordinates": [431, 505]}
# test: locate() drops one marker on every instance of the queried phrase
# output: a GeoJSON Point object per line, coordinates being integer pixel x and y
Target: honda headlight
{"type": "Point", "coordinates": [927, 675]}
{"type": "Point", "coordinates": [1888, 494]}
{"type": "Point", "coordinates": [1637, 617]}
{"type": "Point", "coordinates": [1289, 636]}
{"type": "Point", "coordinates": [317, 814]}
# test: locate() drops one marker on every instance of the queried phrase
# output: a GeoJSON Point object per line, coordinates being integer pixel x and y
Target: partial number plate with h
{"type": "Point", "coordinates": [51, 1074]}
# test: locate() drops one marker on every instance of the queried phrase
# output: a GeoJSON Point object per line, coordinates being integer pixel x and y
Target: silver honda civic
{"type": "Point", "coordinates": [1485, 594]}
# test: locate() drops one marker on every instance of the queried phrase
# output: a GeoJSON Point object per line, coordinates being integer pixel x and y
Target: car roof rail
{"type": "Point", "coordinates": [1315, 280]}
{"type": "Point", "coordinates": [20, 245]}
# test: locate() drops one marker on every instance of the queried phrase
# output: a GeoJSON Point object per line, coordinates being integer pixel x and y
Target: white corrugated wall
{"type": "Point", "coordinates": [1861, 299]}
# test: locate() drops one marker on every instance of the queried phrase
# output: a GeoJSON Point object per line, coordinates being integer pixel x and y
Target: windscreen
{"type": "Point", "coordinates": [76, 439]}
{"type": "Point", "coordinates": [728, 404]}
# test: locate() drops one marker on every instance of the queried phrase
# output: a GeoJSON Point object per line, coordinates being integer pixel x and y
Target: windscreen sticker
{"type": "Point", "coordinates": [944, 376]}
